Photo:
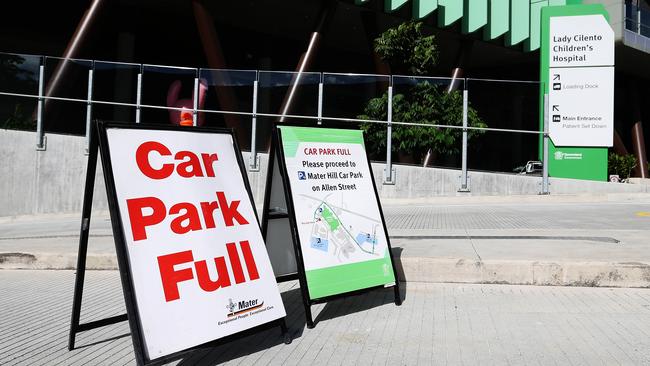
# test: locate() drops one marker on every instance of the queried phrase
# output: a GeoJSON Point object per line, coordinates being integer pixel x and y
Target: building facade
{"type": "Point", "coordinates": [482, 40]}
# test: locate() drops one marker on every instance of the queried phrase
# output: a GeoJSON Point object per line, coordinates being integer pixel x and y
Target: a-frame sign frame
{"type": "Point", "coordinates": [98, 142]}
{"type": "Point", "coordinates": [277, 160]}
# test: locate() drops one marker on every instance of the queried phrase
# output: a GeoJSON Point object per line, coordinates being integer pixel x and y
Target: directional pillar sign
{"type": "Point", "coordinates": [577, 73]}
{"type": "Point", "coordinates": [581, 78]}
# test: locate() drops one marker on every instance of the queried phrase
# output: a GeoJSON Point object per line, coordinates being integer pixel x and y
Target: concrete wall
{"type": "Point", "coordinates": [52, 181]}
{"type": "Point", "coordinates": [42, 181]}
{"type": "Point", "coordinates": [416, 182]}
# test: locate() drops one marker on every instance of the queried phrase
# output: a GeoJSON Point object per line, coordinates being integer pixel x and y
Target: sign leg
{"type": "Point", "coordinates": [310, 320]}
{"type": "Point", "coordinates": [398, 296]}
{"type": "Point", "coordinates": [285, 331]}
{"type": "Point", "coordinates": [83, 239]}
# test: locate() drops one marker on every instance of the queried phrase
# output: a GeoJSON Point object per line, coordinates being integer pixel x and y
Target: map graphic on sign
{"type": "Point", "coordinates": [341, 232]}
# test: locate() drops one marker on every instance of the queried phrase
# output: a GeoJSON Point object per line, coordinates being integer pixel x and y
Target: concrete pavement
{"type": "Point", "coordinates": [577, 243]}
{"type": "Point", "coordinates": [551, 240]}
{"type": "Point", "coordinates": [450, 324]}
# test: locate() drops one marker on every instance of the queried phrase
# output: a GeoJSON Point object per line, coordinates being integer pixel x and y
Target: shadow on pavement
{"type": "Point", "coordinates": [361, 302]}
{"type": "Point", "coordinates": [257, 342]}
{"type": "Point", "coordinates": [367, 300]}
{"type": "Point", "coordinates": [102, 341]}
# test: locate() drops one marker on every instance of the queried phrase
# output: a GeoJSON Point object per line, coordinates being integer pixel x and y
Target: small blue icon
{"type": "Point", "coordinates": [302, 175]}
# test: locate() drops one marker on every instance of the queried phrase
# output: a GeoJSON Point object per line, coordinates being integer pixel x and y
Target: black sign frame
{"type": "Point", "coordinates": [98, 143]}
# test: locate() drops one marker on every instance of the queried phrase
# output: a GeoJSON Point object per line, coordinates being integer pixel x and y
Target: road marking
{"type": "Point", "coordinates": [643, 214]}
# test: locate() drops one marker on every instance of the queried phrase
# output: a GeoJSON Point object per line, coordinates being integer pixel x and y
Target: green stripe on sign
{"type": "Point", "coordinates": [292, 136]}
{"type": "Point", "coordinates": [349, 277]}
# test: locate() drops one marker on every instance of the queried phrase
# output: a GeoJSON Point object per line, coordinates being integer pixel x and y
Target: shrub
{"type": "Point", "coordinates": [621, 165]}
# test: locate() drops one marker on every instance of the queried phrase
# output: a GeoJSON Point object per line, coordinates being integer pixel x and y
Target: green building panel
{"type": "Point", "coordinates": [532, 43]}
{"type": "Point", "coordinates": [476, 15]}
{"type": "Point", "coordinates": [422, 8]}
{"type": "Point", "coordinates": [519, 22]}
{"type": "Point", "coordinates": [392, 5]}
{"type": "Point", "coordinates": [449, 11]}
{"type": "Point", "coordinates": [498, 13]}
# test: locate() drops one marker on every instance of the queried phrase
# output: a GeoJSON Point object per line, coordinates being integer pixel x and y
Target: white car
{"type": "Point", "coordinates": [533, 167]}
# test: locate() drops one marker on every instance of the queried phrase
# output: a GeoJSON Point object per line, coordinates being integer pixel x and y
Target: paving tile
{"type": "Point", "coordinates": [437, 324]}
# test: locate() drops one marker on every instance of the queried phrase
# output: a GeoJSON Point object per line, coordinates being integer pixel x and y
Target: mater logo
{"type": "Point", "coordinates": [231, 306]}
{"type": "Point", "coordinates": [244, 306]}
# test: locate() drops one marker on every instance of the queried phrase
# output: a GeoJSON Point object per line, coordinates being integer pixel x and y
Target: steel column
{"type": "Point", "coordinates": [254, 165]}
{"type": "Point", "coordinates": [40, 138]}
{"type": "Point", "coordinates": [138, 97]}
{"type": "Point", "coordinates": [389, 173]}
{"type": "Point", "coordinates": [464, 187]}
{"type": "Point", "coordinates": [545, 182]}
{"type": "Point", "coordinates": [89, 108]}
{"type": "Point", "coordinates": [320, 100]}
{"type": "Point", "coordinates": [195, 103]}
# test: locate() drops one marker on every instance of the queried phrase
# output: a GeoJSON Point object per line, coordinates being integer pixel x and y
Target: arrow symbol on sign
{"type": "Point", "coordinates": [556, 108]}
{"type": "Point", "coordinates": [556, 76]}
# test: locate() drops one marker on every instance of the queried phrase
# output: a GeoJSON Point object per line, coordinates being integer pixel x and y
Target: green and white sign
{"type": "Point", "coordinates": [340, 228]}
{"type": "Point", "coordinates": [577, 70]}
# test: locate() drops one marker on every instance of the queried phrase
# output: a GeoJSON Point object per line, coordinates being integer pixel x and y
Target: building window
{"type": "Point", "coordinates": [637, 17]}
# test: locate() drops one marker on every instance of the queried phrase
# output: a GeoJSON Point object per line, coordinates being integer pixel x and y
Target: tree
{"type": "Point", "coordinates": [15, 78]}
{"type": "Point", "coordinates": [407, 51]}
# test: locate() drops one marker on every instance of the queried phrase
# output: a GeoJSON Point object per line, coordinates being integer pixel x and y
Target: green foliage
{"type": "Point", "coordinates": [17, 78]}
{"type": "Point", "coordinates": [18, 120]}
{"type": "Point", "coordinates": [407, 51]}
{"type": "Point", "coordinates": [621, 165]}
{"type": "Point", "coordinates": [425, 103]}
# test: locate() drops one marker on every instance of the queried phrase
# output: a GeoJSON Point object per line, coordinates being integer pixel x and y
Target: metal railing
{"type": "Point", "coordinates": [321, 83]}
